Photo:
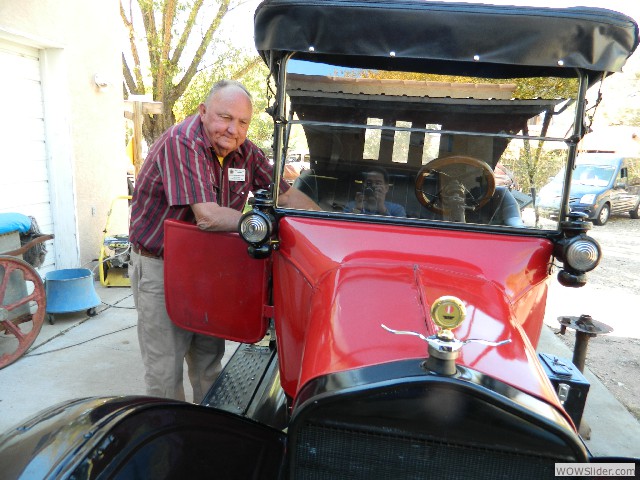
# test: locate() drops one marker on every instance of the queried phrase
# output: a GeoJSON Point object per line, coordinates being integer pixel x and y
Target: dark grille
{"type": "Point", "coordinates": [323, 452]}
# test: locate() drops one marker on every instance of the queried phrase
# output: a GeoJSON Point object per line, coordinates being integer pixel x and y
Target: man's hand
{"type": "Point", "coordinates": [379, 197]}
{"type": "Point", "coordinates": [294, 198]}
{"type": "Point", "coordinates": [372, 201]}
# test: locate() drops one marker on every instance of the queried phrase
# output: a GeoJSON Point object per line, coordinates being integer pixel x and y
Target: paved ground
{"type": "Point", "coordinates": [615, 431]}
{"type": "Point", "coordinates": [82, 356]}
{"type": "Point", "coordinates": [615, 358]}
{"type": "Point", "coordinates": [78, 356]}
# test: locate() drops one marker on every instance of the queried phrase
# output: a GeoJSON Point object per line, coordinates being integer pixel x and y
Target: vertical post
{"type": "Point", "coordinates": [134, 108]}
{"type": "Point", "coordinates": [137, 136]}
{"type": "Point", "coordinates": [416, 146]}
{"type": "Point", "coordinates": [387, 138]}
{"type": "Point", "coordinates": [580, 349]}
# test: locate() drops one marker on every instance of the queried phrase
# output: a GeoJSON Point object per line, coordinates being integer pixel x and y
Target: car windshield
{"type": "Point", "coordinates": [426, 147]}
{"type": "Point", "coordinates": [594, 175]}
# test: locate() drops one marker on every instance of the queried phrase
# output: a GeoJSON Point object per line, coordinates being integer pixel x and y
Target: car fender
{"type": "Point", "coordinates": [135, 437]}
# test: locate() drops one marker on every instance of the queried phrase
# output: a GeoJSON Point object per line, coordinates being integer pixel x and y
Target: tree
{"type": "Point", "coordinates": [168, 42]}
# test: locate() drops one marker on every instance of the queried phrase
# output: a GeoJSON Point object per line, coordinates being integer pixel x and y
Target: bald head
{"type": "Point", "coordinates": [226, 115]}
{"type": "Point", "coordinates": [227, 84]}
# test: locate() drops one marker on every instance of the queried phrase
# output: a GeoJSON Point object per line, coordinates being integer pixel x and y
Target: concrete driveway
{"type": "Point", "coordinates": [80, 356]}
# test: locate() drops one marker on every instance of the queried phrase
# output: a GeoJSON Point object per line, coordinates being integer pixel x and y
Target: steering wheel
{"type": "Point", "coordinates": [469, 175]}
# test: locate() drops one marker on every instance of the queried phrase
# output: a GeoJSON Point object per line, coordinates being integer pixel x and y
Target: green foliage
{"type": "Point", "coordinates": [546, 87]}
{"type": "Point", "coordinates": [531, 171]}
{"type": "Point", "coordinates": [261, 128]}
{"type": "Point", "coordinates": [526, 88]}
{"type": "Point", "coordinates": [220, 67]}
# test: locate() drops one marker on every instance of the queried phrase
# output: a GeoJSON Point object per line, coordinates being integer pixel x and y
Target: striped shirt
{"type": "Point", "coordinates": [182, 169]}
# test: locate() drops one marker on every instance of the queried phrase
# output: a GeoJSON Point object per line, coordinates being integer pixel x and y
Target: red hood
{"type": "Point", "coordinates": [341, 280]}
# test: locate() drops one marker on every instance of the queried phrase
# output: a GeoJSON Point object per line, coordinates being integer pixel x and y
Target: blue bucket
{"type": "Point", "coordinates": [70, 290]}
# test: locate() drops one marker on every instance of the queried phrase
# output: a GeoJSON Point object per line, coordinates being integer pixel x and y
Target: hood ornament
{"type": "Point", "coordinates": [447, 312]}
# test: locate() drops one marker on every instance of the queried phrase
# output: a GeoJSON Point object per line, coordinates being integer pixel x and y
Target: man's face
{"type": "Point", "coordinates": [376, 181]}
{"type": "Point", "coordinates": [226, 117]}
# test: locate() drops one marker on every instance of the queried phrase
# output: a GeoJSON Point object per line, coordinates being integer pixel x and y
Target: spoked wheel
{"type": "Point", "coordinates": [22, 308]}
{"type": "Point", "coordinates": [467, 177]}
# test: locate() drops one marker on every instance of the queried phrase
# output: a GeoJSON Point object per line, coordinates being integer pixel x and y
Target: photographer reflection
{"type": "Point", "coordinates": [372, 198]}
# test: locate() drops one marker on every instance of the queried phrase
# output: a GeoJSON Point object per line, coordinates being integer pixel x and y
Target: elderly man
{"type": "Point", "coordinates": [200, 170]}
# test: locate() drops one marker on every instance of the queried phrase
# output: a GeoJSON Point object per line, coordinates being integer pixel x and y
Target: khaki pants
{"type": "Point", "coordinates": [165, 346]}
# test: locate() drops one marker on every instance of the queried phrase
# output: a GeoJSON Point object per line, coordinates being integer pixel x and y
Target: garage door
{"type": "Point", "coordinates": [24, 184]}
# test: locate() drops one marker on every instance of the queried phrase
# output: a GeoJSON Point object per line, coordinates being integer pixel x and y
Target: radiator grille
{"type": "Point", "coordinates": [323, 452]}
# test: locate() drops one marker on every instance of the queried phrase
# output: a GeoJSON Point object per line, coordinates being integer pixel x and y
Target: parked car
{"type": "Point", "coordinates": [602, 184]}
{"type": "Point", "coordinates": [373, 344]}
{"type": "Point", "coordinates": [295, 164]}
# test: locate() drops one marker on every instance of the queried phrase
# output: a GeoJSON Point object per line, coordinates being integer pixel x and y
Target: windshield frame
{"type": "Point", "coordinates": [283, 123]}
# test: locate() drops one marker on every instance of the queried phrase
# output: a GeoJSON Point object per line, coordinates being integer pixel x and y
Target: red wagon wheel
{"type": "Point", "coordinates": [22, 308]}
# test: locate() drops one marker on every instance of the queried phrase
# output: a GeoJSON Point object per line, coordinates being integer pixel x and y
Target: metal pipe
{"type": "Point", "coordinates": [580, 349]}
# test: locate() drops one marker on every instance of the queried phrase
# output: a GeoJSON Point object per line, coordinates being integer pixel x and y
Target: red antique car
{"type": "Point", "coordinates": [392, 332]}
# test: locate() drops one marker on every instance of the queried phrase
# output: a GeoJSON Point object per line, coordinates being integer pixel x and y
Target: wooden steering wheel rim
{"type": "Point", "coordinates": [441, 162]}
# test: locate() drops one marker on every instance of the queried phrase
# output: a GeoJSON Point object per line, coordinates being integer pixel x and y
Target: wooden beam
{"type": "Point", "coordinates": [134, 108]}
{"type": "Point", "coordinates": [148, 108]}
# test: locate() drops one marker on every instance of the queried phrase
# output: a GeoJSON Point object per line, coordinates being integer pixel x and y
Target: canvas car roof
{"type": "Point", "coordinates": [458, 38]}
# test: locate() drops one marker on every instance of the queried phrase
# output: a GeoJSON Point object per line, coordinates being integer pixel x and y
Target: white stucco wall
{"type": "Point", "coordinates": [84, 123]}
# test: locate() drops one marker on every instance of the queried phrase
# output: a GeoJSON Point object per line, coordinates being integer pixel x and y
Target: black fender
{"type": "Point", "coordinates": [139, 437]}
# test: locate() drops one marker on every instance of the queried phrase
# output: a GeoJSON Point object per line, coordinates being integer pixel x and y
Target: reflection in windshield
{"type": "Point", "coordinates": [425, 147]}
{"type": "Point", "coordinates": [372, 199]}
{"type": "Point", "coordinates": [594, 175]}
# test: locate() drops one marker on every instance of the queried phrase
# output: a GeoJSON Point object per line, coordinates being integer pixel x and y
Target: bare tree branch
{"type": "Point", "coordinates": [246, 68]}
{"type": "Point", "coordinates": [128, 77]}
{"type": "Point", "coordinates": [138, 85]}
{"type": "Point", "coordinates": [177, 53]}
{"type": "Point", "coordinates": [163, 76]}
{"type": "Point", "coordinates": [546, 121]}
{"type": "Point", "coordinates": [168, 17]}
{"type": "Point", "coordinates": [148, 20]}
{"type": "Point", "coordinates": [204, 44]}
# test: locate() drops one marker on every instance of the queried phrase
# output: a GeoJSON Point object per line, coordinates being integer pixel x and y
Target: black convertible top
{"type": "Point", "coordinates": [456, 37]}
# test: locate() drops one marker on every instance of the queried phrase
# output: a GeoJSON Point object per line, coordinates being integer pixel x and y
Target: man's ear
{"type": "Point", "coordinates": [202, 109]}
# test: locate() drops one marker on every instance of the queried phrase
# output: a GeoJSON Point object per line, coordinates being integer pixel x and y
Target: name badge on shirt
{"type": "Point", "coordinates": [237, 174]}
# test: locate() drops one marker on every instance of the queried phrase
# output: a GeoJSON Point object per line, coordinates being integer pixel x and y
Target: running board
{"type": "Point", "coordinates": [241, 381]}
